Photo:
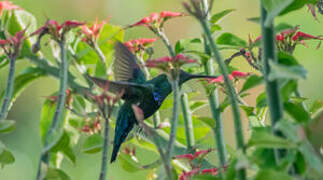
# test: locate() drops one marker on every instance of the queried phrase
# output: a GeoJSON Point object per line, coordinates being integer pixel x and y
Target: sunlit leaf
{"type": "Point", "coordinates": [279, 71]}
{"type": "Point", "coordinates": [56, 174]}
{"type": "Point", "coordinates": [262, 138]}
{"type": "Point", "coordinates": [93, 144]}
{"type": "Point", "coordinates": [252, 82]}
{"type": "Point", "coordinates": [218, 16]}
{"type": "Point", "coordinates": [128, 164]}
{"type": "Point", "coordinates": [272, 175]}
{"type": "Point", "coordinates": [7, 126]}
{"type": "Point", "coordinates": [297, 112]}
{"type": "Point", "coordinates": [230, 40]}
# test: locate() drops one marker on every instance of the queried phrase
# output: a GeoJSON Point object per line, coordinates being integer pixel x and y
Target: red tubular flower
{"type": "Point", "coordinates": [55, 29]}
{"type": "Point", "coordinates": [7, 5]}
{"type": "Point", "coordinates": [169, 14]}
{"type": "Point", "coordinates": [157, 18]}
{"type": "Point", "coordinates": [93, 32]}
{"type": "Point", "coordinates": [304, 36]}
{"type": "Point", "coordinates": [138, 44]}
{"type": "Point", "coordinates": [212, 171]}
{"type": "Point", "coordinates": [185, 156]}
{"type": "Point", "coordinates": [13, 44]}
{"type": "Point", "coordinates": [187, 175]}
{"type": "Point", "coordinates": [238, 74]}
{"type": "Point", "coordinates": [202, 152]}
{"type": "Point", "coordinates": [280, 37]}
{"type": "Point", "coordinates": [232, 76]}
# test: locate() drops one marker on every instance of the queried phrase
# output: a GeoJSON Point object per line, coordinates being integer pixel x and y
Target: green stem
{"type": "Point", "coordinates": [231, 92]}
{"type": "Point", "coordinates": [272, 87]}
{"type": "Point", "coordinates": [188, 122]}
{"type": "Point", "coordinates": [8, 90]}
{"type": "Point", "coordinates": [63, 76]}
{"type": "Point", "coordinates": [174, 120]}
{"type": "Point", "coordinates": [215, 104]}
{"type": "Point", "coordinates": [184, 101]}
{"type": "Point", "coordinates": [54, 72]}
{"type": "Point", "coordinates": [104, 161]}
{"type": "Point", "coordinates": [101, 55]}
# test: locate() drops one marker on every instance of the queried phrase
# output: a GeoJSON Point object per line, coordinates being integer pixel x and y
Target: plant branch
{"type": "Point", "coordinates": [231, 91]}
{"type": "Point", "coordinates": [184, 100]}
{"type": "Point", "coordinates": [104, 159]}
{"type": "Point", "coordinates": [63, 76]}
{"type": "Point", "coordinates": [9, 89]}
{"type": "Point", "coordinates": [214, 101]}
{"type": "Point", "coordinates": [188, 122]}
{"type": "Point", "coordinates": [272, 87]}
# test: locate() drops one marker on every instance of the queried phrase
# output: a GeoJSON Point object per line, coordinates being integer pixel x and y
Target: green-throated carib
{"type": "Point", "coordinates": [147, 95]}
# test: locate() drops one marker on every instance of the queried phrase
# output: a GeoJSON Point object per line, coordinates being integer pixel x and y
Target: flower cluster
{"type": "Point", "coordinates": [7, 5]}
{"type": "Point", "coordinates": [137, 45]}
{"type": "Point", "coordinates": [92, 33]}
{"type": "Point", "coordinates": [56, 30]}
{"type": "Point", "coordinates": [156, 20]}
{"type": "Point", "coordinates": [13, 44]}
{"type": "Point", "coordinates": [232, 76]}
{"type": "Point", "coordinates": [92, 127]}
{"type": "Point", "coordinates": [166, 63]}
{"type": "Point", "coordinates": [196, 155]}
{"type": "Point", "coordinates": [198, 171]}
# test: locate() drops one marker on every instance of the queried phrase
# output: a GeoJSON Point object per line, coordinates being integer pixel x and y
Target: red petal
{"type": "Point", "coordinates": [167, 14]}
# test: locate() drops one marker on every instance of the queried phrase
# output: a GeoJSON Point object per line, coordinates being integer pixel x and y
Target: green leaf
{"type": "Point", "coordinates": [285, 58]}
{"type": "Point", "coordinates": [6, 157]}
{"type": "Point", "coordinates": [230, 40]}
{"type": "Point", "coordinates": [261, 100]}
{"type": "Point", "coordinates": [93, 144]}
{"type": "Point", "coordinates": [47, 115]}
{"type": "Point", "coordinates": [282, 26]}
{"type": "Point", "coordinates": [56, 174]}
{"type": "Point", "coordinates": [218, 16]}
{"type": "Point", "coordinates": [252, 82]}
{"type": "Point", "coordinates": [274, 8]}
{"type": "Point", "coordinates": [207, 120]}
{"type": "Point", "coordinates": [18, 21]}
{"type": "Point", "coordinates": [128, 164]}
{"type": "Point", "coordinates": [215, 27]}
{"type": "Point", "coordinates": [261, 137]}
{"type": "Point", "coordinates": [297, 112]}
{"type": "Point", "coordinates": [291, 131]}
{"type": "Point", "coordinates": [265, 174]}
{"type": "Point", "coordinates": [25, 78]}
{"type": "Point", "coordinates": [7, 126]}
{"type": "Point", "coordinates": [298, 4]}
{"type": "Point", "coordinates": [288, 88]}
{"type": "Point", "coordinates": [63, 145]}
{"type": "Point", "coordinates": [197, 105]}
{"type": "Point", "coordinates": [188, 45]}
{"type": "Point", "coordinates": [316, 106]}
{"type": "Point", "coordinates": [254, 20]}
{"type": "Point", "coordinates": [279, 71]}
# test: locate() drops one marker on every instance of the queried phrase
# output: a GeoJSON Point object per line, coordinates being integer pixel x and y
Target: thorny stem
{"type": "Point", "coordinates": [8, 90]}
{"type": "Point", "coordinates": [63, 76]}
{"type": "Point", "coordinates": [174, 120]}
{"type": "Point", "coordinates": [231, 92]}
{"type": "Point", "coordinates": [153, 134]}
{"type": "Point", "coordinates": [272, 89]}
{"type": "Point", "coordinates": [184, 100]}
{"type": "Point", "coordinates": [215, 104]}
{"type": "Point", "coordinates": [188, 123]}
{"type": "Point", "coordinates": [104, 159]}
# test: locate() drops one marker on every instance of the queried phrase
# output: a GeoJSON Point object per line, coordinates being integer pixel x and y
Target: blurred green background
{"type": "Point", "coordinates": [24, 142]}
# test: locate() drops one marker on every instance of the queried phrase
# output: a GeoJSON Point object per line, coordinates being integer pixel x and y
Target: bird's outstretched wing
{"type": "Point", "coordinates": [125, 65]}
{"type": "Point", "coordinates": [117, 87]}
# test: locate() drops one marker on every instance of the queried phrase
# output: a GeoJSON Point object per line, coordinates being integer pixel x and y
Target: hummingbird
{"type": "Point", "coordinates": [146, 94]}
